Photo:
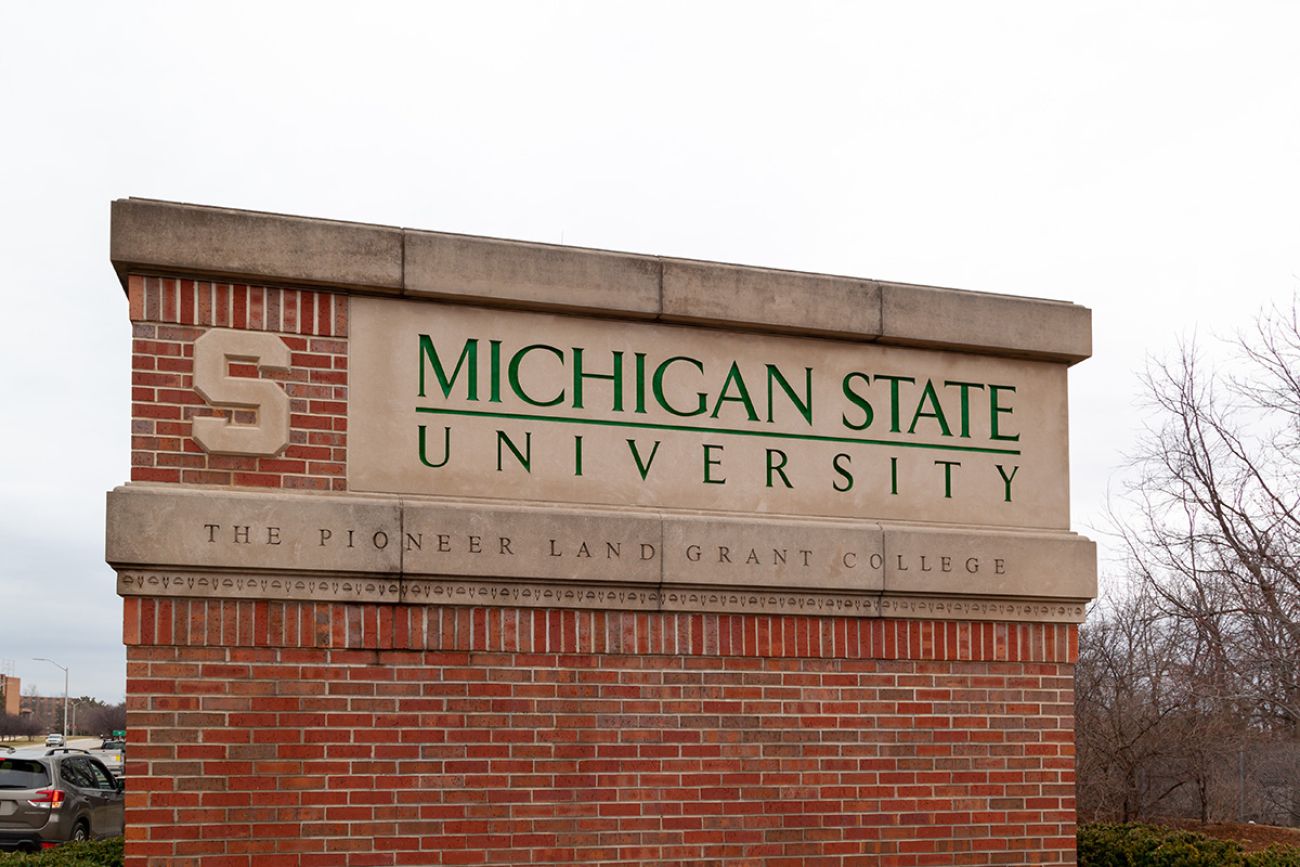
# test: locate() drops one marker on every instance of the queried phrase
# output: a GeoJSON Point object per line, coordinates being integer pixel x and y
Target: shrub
{"type": "Point", "coordinates": [1152, 846]}
{"type": "Point", "coordinates": [94, 853]}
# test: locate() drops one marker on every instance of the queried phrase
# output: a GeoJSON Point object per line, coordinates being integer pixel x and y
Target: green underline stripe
{"type": "Point", "coordinates": [600, 422]}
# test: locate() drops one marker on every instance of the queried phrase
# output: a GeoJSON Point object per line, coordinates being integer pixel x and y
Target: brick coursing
{"type": "Point", "coordinates": [337, 734]}
{"type": "Point", "coordinates": [169, 314]}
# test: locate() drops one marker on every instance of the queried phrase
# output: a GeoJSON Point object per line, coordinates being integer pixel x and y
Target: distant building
{"type": "Point", "coordinates": [47, 709]}
{"type": "Point", "coordinates": [10, 694]}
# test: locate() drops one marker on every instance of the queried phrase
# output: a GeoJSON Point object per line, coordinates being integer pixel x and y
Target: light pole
{"type": "Point", "coordinates": [65, 689]}
{"type": "Point", "coordinates": [76, 704]}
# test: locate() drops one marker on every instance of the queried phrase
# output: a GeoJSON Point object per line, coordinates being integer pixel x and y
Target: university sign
{"type": "Point", "coordinates": [596, 557]}
{"type": "Point", "coordinates": [568, 450]}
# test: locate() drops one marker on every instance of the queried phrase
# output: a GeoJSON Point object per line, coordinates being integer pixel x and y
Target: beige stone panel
{"type": "Point", "coordinates": [530, 275]}
{"type": "Point", "coordinates": [722, 460]}
{"type": "Point", "coordinates": [227, 530]}
{"type": "Point", "coordinates": [982, 564]}
{"type": "Point", "coordinates": [812, 555]}
{"type": "Point", "coordinates": [190, 239]}
{"type": "Point", "coordinates": [151, 236]}
{"type": "Point", "coordinates": [1030, 327]}
{"type": "Point", "coordinates": [555, 544]}
{"type": "Point", "coordinates": [769, 299]}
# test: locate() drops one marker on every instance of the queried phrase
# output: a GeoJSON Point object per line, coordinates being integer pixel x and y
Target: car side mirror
{"type": "Point", "coordinates": [119, 784]}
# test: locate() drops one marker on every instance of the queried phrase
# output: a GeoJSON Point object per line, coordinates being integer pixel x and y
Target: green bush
{"type": "Point", "coordinates": [1099, 846]}
{"type": "Point", "coordinates": [95, 853]}
{"type": "Point", "coordinates": [1152, 846]}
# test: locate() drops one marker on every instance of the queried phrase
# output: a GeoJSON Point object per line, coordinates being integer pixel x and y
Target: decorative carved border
{"type": "Point", "coordinates": [535, 594]}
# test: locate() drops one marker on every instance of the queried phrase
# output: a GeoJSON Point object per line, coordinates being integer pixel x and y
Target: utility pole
{"type": "Point", "coordinates": [65, 689]}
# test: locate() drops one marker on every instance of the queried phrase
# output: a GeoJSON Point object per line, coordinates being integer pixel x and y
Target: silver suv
{"type": "Point", "coordinates": [50, 796]}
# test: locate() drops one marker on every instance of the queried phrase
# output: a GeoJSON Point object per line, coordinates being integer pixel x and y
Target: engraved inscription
{"type": "Point", "coordinates": [429, 553]}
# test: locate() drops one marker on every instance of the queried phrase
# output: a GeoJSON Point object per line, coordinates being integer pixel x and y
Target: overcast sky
{"type": "Point", "coordinates": [1142, 159]}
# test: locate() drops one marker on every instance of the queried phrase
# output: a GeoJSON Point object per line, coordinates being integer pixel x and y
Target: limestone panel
{"type": "Point", "coordinates": [1028, 327]}
{"type": "Point", "coordinates": [467, 402]}
{"type": "Point", "coordinates": [950, 561]}
{"type": "Point", "coordinates": [813, 555]}
{"type": "Point", "coordinates": [250, 245]}
{"type": "Point", "coordinates": [150, 236]}
{"type": "Point", "coordinates": [150, 526]}
{"type": "Point", "coordinates": [530, 275]}
{"type": "Point", "coordinates": [556, 544]}
{"type": "Point", "coordinates": [165, 541]}
{"type": "Point", "coordinates": [774, 300]}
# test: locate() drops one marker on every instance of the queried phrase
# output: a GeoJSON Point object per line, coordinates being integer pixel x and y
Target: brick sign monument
{"type": "Point", "coordinates": [451, 550]}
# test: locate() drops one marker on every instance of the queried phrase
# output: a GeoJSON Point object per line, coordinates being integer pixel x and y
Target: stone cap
{"type": "Point", "coordinates": [158, 237]}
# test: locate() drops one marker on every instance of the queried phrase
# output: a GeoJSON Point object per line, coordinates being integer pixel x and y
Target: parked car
{"type": "Point", "coordinates": [112, 752]}
{"type": "Point", "coordinates": [56, 740]}
{"type": "Point", "coordinates": [51, 796]}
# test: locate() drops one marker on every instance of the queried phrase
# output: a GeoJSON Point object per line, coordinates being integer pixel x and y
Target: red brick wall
{"type": "Point", "coordinates": [321, 734]}
{"type": "Point", "coordinates": [169, 314]}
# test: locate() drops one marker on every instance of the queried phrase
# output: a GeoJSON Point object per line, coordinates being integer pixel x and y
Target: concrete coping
{"type": "Point", "coordinates": [171, 238]}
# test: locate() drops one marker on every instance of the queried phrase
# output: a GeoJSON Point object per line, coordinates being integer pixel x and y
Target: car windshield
{"type": "Point", "coordinates": [22, 774]}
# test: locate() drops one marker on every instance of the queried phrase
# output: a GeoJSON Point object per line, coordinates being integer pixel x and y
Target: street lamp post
{"type": "Point", "coordinates": [72, 730]}
{"type": "Point", "coordinates": [65, 689]}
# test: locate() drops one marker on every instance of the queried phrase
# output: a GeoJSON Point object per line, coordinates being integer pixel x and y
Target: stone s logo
{"type": "Point", "coordinates": [213, 353]}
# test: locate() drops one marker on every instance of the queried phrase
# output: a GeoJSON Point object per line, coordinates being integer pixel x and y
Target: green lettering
{"type": "Point", "coordinates": [947, 476]}
{"type": "Point", "coordinates": [733, 376]}
{"type": "Point", "coordinates": [843, 471]}
{"type": "Point", "coordinates": [640, 383]}
{"type": "Point", "coordinates": [494, 368]}
{"type": "Point", "coordinates": [643, 468]}
{"type": "Point", "coordinates": [1006, 480]}
{"type": "Point", "coordinates": [893, 398]}
{"type": "Point", "coordinates": [965, 402]}
{"type": "Point", "coordinates": [616, 377]}
{"type": "Point", "coordinates": [513, 374]}
{"type": "Point", "coordinates": [868, 414]}
{"type": "Point", "coordinates": [658, 386]}
{"type": "Point", "coordinates": [446, 449]}
{"type": "Point", "coordinates": [710, 461]}
{"type": "Point", "coordinates": [525, 457]}
{"type": "Point", "coordinates": [469, 353]}
{"type": "Point", "coordinates": [996, 409]}
{"type": "Point", "coordinates": [937, 413]}
{"type": "Point", "coordinates": [777, 468]}
{"type": "Point", "coordinates": [804, 406]}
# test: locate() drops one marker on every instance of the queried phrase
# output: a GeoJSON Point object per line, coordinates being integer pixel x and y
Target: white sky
{"type": "Point", "coordinates": [1142, 159]}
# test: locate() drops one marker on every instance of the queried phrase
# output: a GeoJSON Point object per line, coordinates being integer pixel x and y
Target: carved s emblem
{"type": "Point", "coordinates": [212, 380]}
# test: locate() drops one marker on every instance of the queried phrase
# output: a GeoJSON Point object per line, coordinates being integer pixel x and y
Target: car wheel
{"type": "Point", "coordinates": [80, 832]}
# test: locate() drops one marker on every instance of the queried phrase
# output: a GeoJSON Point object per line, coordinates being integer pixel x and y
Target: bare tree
{"type": "Point", "coordinates": [104, 719]}
{"type": "Point", "coordinates": [1149, 742]}
{"type": "Point", "coordinates": [1214, 538]}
